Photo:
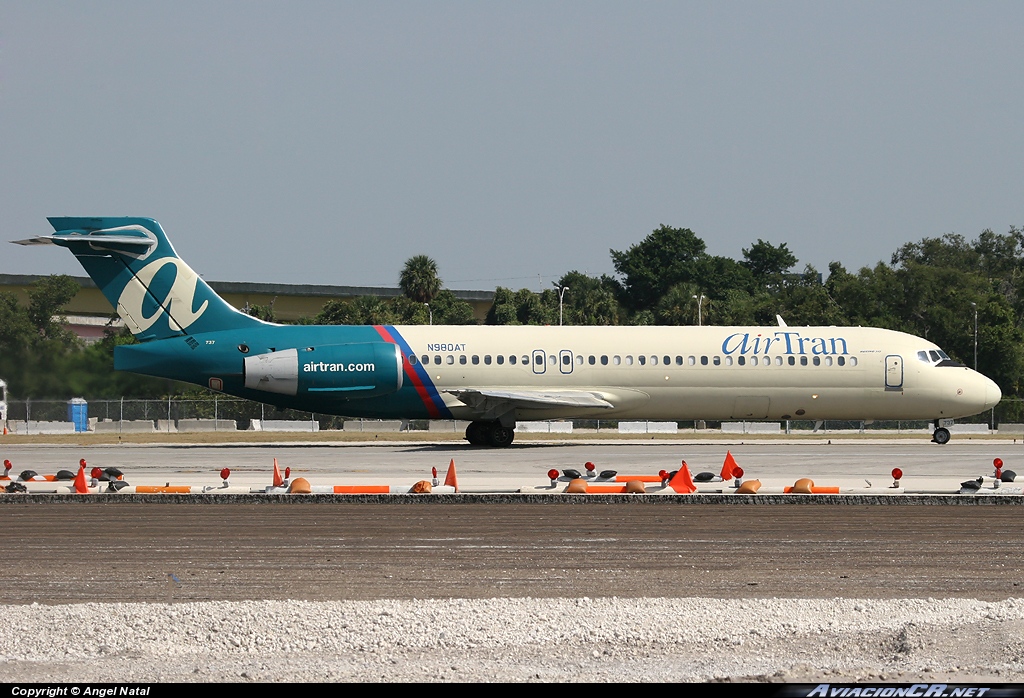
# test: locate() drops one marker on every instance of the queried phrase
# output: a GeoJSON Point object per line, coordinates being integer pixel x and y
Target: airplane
{"type": "Point", "coordinates": [494, 377]}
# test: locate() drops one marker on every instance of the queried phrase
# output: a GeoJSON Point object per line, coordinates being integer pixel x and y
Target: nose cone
{"type": "Point", "coordinates": [992, 393]}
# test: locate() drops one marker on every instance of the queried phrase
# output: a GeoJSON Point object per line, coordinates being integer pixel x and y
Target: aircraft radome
{"type": "Point", "coordinates": [496, 376]}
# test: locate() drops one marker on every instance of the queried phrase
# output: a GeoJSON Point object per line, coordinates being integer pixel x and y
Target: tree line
{"type": "Point", "coordinates": [934, 288]}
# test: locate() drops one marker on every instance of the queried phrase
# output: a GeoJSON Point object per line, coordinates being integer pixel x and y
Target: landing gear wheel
{"type": "Point", "coordinates": [941, 436]}
{"type": "Point", "coordinates": [499, 436]}
{"type": "Point", "coordinates": [476, 434]}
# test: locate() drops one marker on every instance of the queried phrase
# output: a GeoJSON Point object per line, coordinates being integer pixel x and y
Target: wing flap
{"type": "Point", "coordinates": [483, 399]}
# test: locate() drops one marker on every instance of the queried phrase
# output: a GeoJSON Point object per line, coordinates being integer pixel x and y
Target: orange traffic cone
{"type": "Point", "coordinates": [683, 481]}
{"type": "Point", "coordinates": [450, 478]}
{"type": "Point", "coordinates": [278, 480]}
{"type": "Point", "coordinates": [80, 486]}
{"type": "Point", "coordinates": [729, 467]}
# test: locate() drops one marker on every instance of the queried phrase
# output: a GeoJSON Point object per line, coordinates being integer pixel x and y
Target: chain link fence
{"type": "Point", "coordinates": [1009, 411]}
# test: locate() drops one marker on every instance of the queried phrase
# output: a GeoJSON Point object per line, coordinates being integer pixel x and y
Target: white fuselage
{"type": "Point", "coordinates": [681, 373]}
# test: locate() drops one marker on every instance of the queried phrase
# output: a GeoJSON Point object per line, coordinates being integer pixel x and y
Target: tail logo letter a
{"type": "Point", "coordinates": [177, 304]}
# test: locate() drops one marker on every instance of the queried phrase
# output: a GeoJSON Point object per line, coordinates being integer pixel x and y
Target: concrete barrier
{"type": "Point", "coordinates": [127, 426]}
{"type": "Point", "coordinates": [166, 426]}
{"type": "Point", "coordinates": [751, 427]}
{"type": "Point", "coordinates": [283, 425]}
{"type": "Point", "coordinates": [1011, 429]}
{"type": "Point", "coordinates": [648, 428]}
{"type": "Point", "coordinates": [41, 427]}
{"type": "Point", "coordinates": [969, 429]}
{"type": "Point", "coordinates": [368, 426]}
{"type": "Point", "coordinates": [449, 426]}
{"type": "Point", "coordinates": [544, 427]}
{"type": "Point", "coordinates": [194, 425]}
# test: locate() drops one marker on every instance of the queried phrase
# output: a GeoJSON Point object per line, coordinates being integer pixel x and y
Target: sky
{"type": "Point", "coordinates": [328, 142]}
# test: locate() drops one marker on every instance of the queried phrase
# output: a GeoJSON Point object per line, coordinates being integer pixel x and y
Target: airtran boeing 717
{"type": "Point", "coordinates": [497, 376]}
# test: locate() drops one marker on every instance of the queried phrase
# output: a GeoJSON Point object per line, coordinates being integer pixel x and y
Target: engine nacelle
{"type": "Point", "coordinates": [347, 371]}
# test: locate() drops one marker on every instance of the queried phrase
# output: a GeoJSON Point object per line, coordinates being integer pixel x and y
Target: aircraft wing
{"type": "Point", "coordinates": [486, 400]}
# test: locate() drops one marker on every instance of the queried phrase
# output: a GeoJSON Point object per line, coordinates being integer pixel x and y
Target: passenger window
{"type": "Point", "coordinates": [501, 359]}
{"type": "Point", "coordinates": [412, 359]}
{"type": "Point", "coordinates": [525, 360]}
{"type": "Point", "coordinates": [840, 361]}
{"type": "Point", "coordinates": [728, 361]}
{"type": "Point", "coordinates": [753, 361]}
{"type": "Point", "coordinates": [703, 361]}
{"type": "Point", "coordinates": [792, 361]}
{"type": "Point", "coordinates": [462, 359]}
{"type": "Point", "coordinates": [716, 360]}
{"type": "Point", "coordinates": [437, 359]}
{"type": "Point", "coordinates": [425, 359]}
{"type": "Point", "coordinates": [778, 360]}
{"type": "Point", "coordinates": [616, 359]}
{"type": "Point", "coordinates": [487, 359]}
{"type": "Point", "coordinates": [654, 361]}
{"type": "Point", "coordinates": [691, 360]}
{"type": "Point", "coordinates": [512, 360]}
{"type": "Point", "coordinates": [591, 359]}
{"type": "Point", "coordinates": [642, 359]}
{"type": "Point", "coordinates": [817, 361]}
{"type": "Point", "coordinates": [566, 359]}
{"type": "Point", "coordinates": [604, 360]}
{"type": "Point", "coordinates": [538, 359]}
{"type": "Point", "coordinates": [666, 360]}
{"type": "Point", "coordinates": [853, 360]}
{"type": "Point", "coordinates": [449, 360]}
{"type": "Point", "coordinates": [476, 360]}
{"type": "Point", "coordinates": [803, 360]}
{"type": "Point", "coordinates": [741, 360]}
{"type": "Point", "coordinates": [579, 359]}
{"type": "Point", "coordinates": [828, 360]}
{"type": "Point", "coordinates": [629, 360]}
{"type": "Point", "coordinates": [552, 361]}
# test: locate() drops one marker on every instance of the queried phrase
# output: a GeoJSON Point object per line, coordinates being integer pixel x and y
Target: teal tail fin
{"type": "Point", "coordinates": [153, 290]}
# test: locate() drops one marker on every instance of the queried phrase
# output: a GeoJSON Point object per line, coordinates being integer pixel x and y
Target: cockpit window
{"type": "Point", "coordinates": [935, 355]}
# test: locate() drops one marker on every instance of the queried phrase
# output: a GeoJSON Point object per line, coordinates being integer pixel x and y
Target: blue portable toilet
{"type": "Point", "coordinates": [78, 413]}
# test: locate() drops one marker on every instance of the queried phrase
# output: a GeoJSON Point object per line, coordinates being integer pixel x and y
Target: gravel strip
{"type": "Point", "coordinates": [565, 639]}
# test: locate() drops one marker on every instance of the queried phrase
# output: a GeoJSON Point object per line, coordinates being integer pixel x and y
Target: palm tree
{"type": "Point", "coordinates": [419, 280]}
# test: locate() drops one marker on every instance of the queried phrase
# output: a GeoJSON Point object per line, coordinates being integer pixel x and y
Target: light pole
{"type": "Point", "coordinates": [561, 294]}
{"type": "Point", "coordinates": [700, 301]}
{"type": "Point", "coordinates": [975, 335]}
{"type": "Point", "coordinates": [430, 313]}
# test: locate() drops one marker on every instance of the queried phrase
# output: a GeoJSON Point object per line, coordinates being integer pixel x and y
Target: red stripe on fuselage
{"type": "Point", "coordinates": [411, 373]}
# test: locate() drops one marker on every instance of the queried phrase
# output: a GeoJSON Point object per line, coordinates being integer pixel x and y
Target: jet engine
{"type": "Point", "coordinates": [347, 371]}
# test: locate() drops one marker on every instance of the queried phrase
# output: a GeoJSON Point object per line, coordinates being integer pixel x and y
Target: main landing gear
{"type": "Point", "coordinates": [940, 435]}
{"type": "Point", "coordinates": [489, 434]}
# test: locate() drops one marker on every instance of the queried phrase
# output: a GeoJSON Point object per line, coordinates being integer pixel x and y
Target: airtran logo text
{"type": "Point", "coordinates": [177, 303]}
{"type": "Point", "coordinates": [324, 367]}
{"type": "Point", "coordinates": [787, 342]}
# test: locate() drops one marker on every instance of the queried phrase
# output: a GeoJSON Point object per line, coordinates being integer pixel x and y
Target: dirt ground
{"type": "Point", "coordinates": [66, 553]}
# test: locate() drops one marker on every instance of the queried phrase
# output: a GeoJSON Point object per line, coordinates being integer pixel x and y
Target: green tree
{"type": "Point", "coordinates": [664, 258]}
{"type": "Point", "coordinates": [589, 300]}
{"type": "Point", "coordinates": [767, 263]}
{"type": "Point", "coordinates": [679, 307]}
{"type": "Point", "coordinates": [419, 279]}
